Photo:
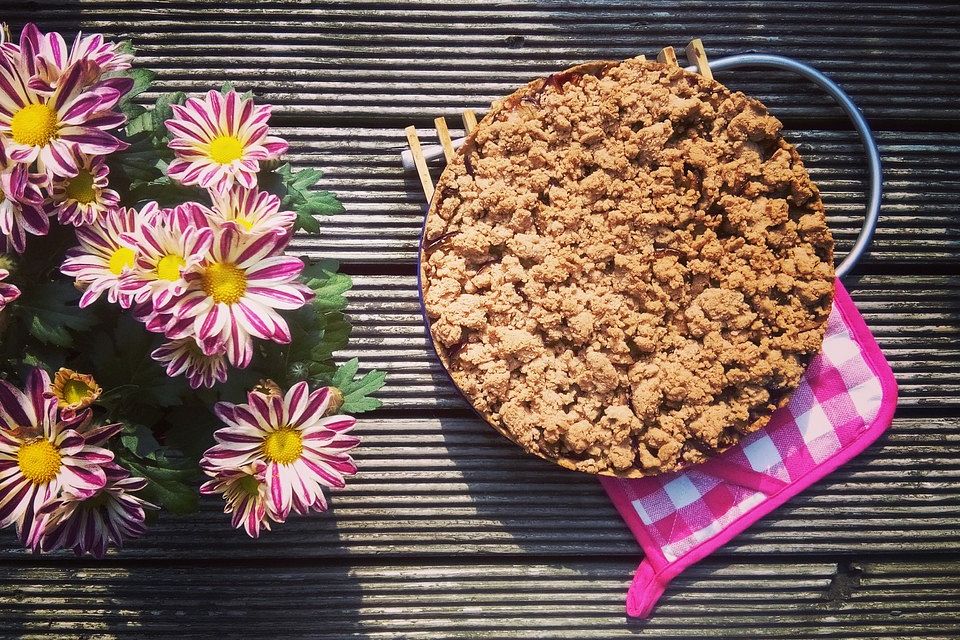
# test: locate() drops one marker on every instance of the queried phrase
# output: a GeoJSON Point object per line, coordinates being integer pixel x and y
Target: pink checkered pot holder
{"type": "Point", "coordinates": [844, 402]}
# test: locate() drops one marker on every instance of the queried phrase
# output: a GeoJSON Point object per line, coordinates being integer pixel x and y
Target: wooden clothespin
{"type": "Point", "coordinates": [697, 56]}
{"type": "Point", "coordinates": [426, 182]}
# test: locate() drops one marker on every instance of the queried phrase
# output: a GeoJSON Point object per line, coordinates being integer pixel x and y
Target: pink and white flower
{"type": "Point", "coordinates": [103, 258]}
{"type": "Point", "coordinates": [250, 211]}
{"type": "Point", "coordinates": [42, 454]}
{"type": "Point", "coordinates": [81, 199]}
{"type": "Point", "coordinates": [53, 58]}
{"type": "Point", "coordinates": [56, 129]}
{"type": "Point", "coordinates": [244, 490]}
{"type": "Point", "coordinates": [220, 140]}
{"type": "Point", "coordinates": [185, 356]}
{"type": "Point", "coordinates": [21, 204]}
{"type": "Point", "coordinates": [90, 522]}
{"type": "Point", "coordinates": [186, 214]}
{"type": "Point", "coordinates": [164, 253]}
{"type": "Point", "coordinates": [8, 292]}
{"type": "Point", "coordinates": [235, 292]}
{"type": "Point", "coordinates": [303, 451]}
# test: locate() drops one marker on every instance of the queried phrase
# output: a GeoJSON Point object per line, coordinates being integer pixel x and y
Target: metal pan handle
{"type": "Point", "coordinates": [863, 130]}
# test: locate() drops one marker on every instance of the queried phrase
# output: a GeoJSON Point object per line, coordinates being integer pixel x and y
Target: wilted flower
{"type": "Point", "coordinates": [268, 387]}
{"type": "Point", "coordinates": [220, 140]}
{"type": "Point", "coordinates": [185, 356]}
{"type": "Point", "coordinates": [244, 490]}
{"type": "Point", "coordinates": [303, 451]}
{"type": "Point", "coordinates": [90, 522]}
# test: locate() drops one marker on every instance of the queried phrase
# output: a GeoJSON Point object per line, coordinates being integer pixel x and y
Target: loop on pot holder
{"type": "Point", "coordinates": [645, 590]}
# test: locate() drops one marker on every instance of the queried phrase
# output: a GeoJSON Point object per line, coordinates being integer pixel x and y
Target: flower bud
{"type": "Point", "coordinates": [336, 402]}
{"type": "Point", "coordinates": [74, 391]}
{"type": "Point", "coordinates": [298, 371]}
{"type": "Point", "coordinates": [268, 387]}
{"type": "Point", "coordinates": [8, 262]}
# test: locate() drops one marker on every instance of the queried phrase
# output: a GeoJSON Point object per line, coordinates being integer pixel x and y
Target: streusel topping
{"type": "Point", "coordinates": [627, 268]}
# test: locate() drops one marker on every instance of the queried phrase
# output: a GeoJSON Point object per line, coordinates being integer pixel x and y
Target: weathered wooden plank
{"type": "Point", "coordinates": [349, 60]}
{"type": "Point", "coordinates": [915, 320]}
{"type": "Point", "coordinates": [454, 490]}
{"type": "Point", "coordinates": [385, 204]}
{"type": "Point", "coordinates": [906, 599]}
{"type": "Point", "coordinates": [454, 486]}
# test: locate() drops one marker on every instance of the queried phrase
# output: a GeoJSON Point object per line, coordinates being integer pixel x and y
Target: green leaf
{"type": "Point", "coordinates": [327, 285]}
{"type": "Point", "coordinates": [139, 439]}
{"type": "Point", "coordinates": [132, 110]}
{"type": "Point", "coordinates": [142, 78]}
{"type": "Point", "coordinates": [356, 393]}
{"type": "Point", "coordinates": [142, 124]}
{"type": "Point", "coordinates": [336, 334]}
{"type": "Point", "coordinates": [164, 190]}
{"type": "Point", "coordinates": [51, 313]}
{"type": "Point", "coordinates": [294, 189]}
{"type": "Point", "coordinates": [360, 405]}
{"type": "Point", "coordinates": [191, 429]}
{"type": "Point", "coordinates": [137, 163]}
{"type": "Point", "coordinates": [169, 479]}
{"type": "Point", "coordinates": [122, 361]}
{"type": "Point", "coordinates": [305, 222]}
{"type": "Point", "coordinates": [345, 374]}
{"type": "Point", "coordinates": [162, 111]}
{"type": "Point", "coordinates": [227, 87]}
{"type": "Point", "coordinates": [126, 46]}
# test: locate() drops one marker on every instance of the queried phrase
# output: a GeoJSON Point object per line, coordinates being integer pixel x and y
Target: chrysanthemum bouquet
{"type": "Point", "coordinates": [153, 329]}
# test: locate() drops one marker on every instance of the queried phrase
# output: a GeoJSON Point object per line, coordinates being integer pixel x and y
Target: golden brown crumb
{"type": "Point", "coordinates": [627, 268]}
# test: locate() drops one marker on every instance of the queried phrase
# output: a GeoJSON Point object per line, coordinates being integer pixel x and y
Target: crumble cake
{"type": "Point", "coordinates": [626, 267]}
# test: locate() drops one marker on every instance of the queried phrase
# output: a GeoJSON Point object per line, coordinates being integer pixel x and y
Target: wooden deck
{"type": "Point", "coordinates": [449, 531]}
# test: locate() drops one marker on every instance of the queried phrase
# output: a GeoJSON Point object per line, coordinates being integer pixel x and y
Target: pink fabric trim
{"type": "Point", "coordinates": [656, 571]}
{"type": "Point", "coordinates": [645, 590]}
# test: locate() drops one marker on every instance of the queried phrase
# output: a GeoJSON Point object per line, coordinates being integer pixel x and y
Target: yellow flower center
{"type": "Point", "coordinates": [283, 446]}
{"type": "Point", "coordinates": [34, 125]}
{"type": "Point", "coordinates": [224, 282]}
{"type": "Point", "coordinates": [76, 391]}
{"type": "Point", "coordinates": [249, 485]}
{"type": "Point", "coordinates": [39, 461]}
{"type": "Point", "coordinates": [121, 259]}
{"type": "Point", "coordinates": [169, 267]}
{"type": "Point", "coordinates": [225, 149]}
{"type": "Point", "coordinates": [80, 188]}
{"type": "Point", "coordinates": [243, 222]}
